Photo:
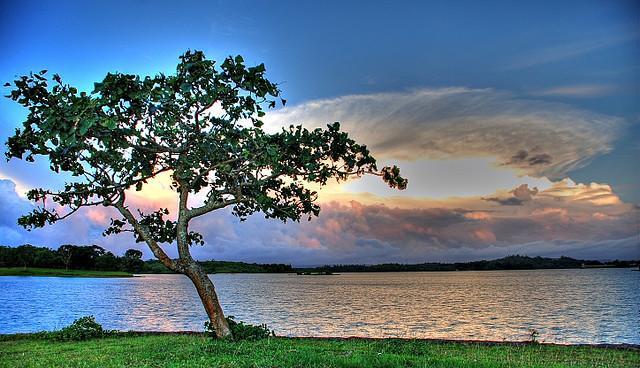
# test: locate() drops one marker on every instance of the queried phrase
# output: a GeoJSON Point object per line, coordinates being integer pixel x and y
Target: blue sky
{"type": "Point", "coordinates": [542, 60]}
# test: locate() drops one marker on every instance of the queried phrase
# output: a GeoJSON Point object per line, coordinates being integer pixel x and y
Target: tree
{"type": "Point", "coordinates": [66, 253]}
{"type": "Point", "coordinates": [203, 126]}
{"type": "Point", "coordinates": [132, 261]}
{"type": "Point", "coordinates": [107, 262]}
{"type": "Point", "coordinates": [25, 255]}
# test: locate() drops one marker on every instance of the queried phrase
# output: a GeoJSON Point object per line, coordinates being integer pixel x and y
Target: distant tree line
{"type": "Point", "coordinates": [155, 266]}
{"type": "Point", "coordinates": [515, 262]}
{"type": "Point", "coordinates": [71, 257]}
{"type": "Point", "coordinates": [94, 257]}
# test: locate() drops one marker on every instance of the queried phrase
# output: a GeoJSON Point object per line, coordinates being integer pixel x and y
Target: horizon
{"type": "Point", "coordinates": [517, 125]}
{"type": "Point", "coordinates": [602, 260]}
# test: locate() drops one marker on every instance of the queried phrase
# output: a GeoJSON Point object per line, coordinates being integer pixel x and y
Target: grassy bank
{"type": "Point", "coordinates": [32, 271]}
{"type": "Point", "coordinates": [199, 351]}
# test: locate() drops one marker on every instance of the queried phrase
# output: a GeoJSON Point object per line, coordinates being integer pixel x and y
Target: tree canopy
{"type": "Point", "coordinates": [202, 125]}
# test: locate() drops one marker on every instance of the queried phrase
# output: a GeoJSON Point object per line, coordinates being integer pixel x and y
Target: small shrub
{"type": "Point", "coordinates": [83, 328]}
{"type": "Point", "coordinates": [241, 330]}
{"type": "Point", "coordinates": [533, 335]}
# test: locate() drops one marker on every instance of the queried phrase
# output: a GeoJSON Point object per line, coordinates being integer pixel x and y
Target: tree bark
{"type": "Point", "coordinates": [207, 293]}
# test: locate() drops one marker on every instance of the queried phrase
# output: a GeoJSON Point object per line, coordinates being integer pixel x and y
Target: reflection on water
{"type": "Point", "coordinates": [566, 306]}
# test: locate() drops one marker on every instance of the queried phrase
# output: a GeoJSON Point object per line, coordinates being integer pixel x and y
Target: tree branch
{"type": "Point", "coordinates": [210, 206]}
{"type": "Point", "coordinates": [158, 252]}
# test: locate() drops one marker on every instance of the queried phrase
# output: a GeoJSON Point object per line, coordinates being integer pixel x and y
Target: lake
{"type": "Point", "coordinates": [564, 306]}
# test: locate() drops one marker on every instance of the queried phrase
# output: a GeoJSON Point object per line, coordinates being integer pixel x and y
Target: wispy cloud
{"type": "Point", "coordinates": [461, 123]}
{"type": "Point", "coordinates": [579, 90]}
{"type": "Point", "coordinates": [567, 51]}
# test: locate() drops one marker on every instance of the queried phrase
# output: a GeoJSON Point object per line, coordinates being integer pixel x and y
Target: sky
{"type": "Point", "coordinates": [516, 123]}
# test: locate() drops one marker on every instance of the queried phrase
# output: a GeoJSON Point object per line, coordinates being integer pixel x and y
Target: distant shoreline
{"type": "Point", "coordinates": [94, 258]}
{"type": "Point", "coordinates": [55, 272]}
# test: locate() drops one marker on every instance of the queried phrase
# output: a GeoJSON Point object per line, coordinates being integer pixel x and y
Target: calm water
{"type": "Point", "coordinates": [566, 306]}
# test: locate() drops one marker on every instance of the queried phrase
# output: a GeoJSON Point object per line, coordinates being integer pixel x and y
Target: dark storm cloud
{"type": "Point", "coordinates": [511, 201]}
{"type": "Point", "coordinates": [523, 157]}
{"type": "Point", "coordinates": [520, 195]}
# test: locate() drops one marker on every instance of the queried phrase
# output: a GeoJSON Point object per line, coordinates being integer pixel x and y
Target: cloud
{"type": "Point", "coordinates": [581, 90]}
{"type": "Point", "coordinates": [520, 195]}
{"type": "Point", "coordinates": [441, 179]}
{"type": "Point", "coordinates": [85, 227]}
{"type": "Point", "coordinates": [586, 220]}
{"type": "Point", "coordinates": [566, 214]}
{"type": "Point", "coordinates": [12, 207]}
{"type": "Point", "coordinates": [569, 50]}
{"type": "Point", "coordinates": [523, 157]}
{"type": "Point", "coordinates": [580, 219]}
{"type": "Point", "coordinates": [523, 192]}
{"type": "Point", "coordinates": [593, 193]}
{"type": "Point", "coordinates": [510, 201]}
{"type": "Point", "coordinates": [534, 137]}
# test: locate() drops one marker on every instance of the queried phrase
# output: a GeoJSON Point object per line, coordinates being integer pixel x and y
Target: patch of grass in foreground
{"type": "Point", "coordinates": [199, 351]}
{"type": "Point", "coordinates": [34, 271]}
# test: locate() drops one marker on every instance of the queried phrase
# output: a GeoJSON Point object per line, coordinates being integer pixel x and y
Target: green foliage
{"type": "Point", "coordinates": [59, 272]}
{"type": "Point", "coordinates": [533, 335]}
{"type": "Point", "coordinates": [81, 329]}
{"type": "Point", "coordinates": [71, 257]}
{"type": "Point", "coordinates": [506, 263]}
{"type": "Point", "coordinates": [132, 261]}
{"type": "Point", "coordinates": [242, 331]}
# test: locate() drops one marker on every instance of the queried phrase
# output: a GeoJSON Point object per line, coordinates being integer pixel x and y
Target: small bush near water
{"type": "Point", "coordinates": [241, 330]}
{"type": "Point", "coordinates": [83, 328]}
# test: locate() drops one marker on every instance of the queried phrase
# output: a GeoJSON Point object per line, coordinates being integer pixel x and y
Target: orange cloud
{"type": "Point", "coordinates": [594, 193]}
{"type": "Point", "coordinates": [562, 214]}
{"type": "Point", "coordinates": [98, 216]}
{"type": "Point", "coordinates": [485, 235]}
{"type": "Point", "coordinates": [156, 193]}
{"type": "Point", "coordinates": [481, 215]}
{"type": "Point", "coordinates": [602, 216]}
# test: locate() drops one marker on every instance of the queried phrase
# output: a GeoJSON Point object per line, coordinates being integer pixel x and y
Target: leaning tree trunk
{"type": "Point", "coordinates": [209, 298]}
{"type": "Point", "coordinates": [185, 264]}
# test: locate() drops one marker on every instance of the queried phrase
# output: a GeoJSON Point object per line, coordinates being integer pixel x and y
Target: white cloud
{"type": "Point", "coordinates": [537, 138]}
{"type": "Point", "coordinates": [579, 90]}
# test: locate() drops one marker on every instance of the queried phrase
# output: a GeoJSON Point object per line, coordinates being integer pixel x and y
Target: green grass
{"type": "Point", "coordinates": [33, 271]}
{"type": "Point", "coordinates": [199, 351]}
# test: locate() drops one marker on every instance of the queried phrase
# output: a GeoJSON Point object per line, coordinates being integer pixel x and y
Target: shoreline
{"type": "Point", "coordinates": [57, 272]}
{"type": "Point", "coordinates": [125, 334]}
